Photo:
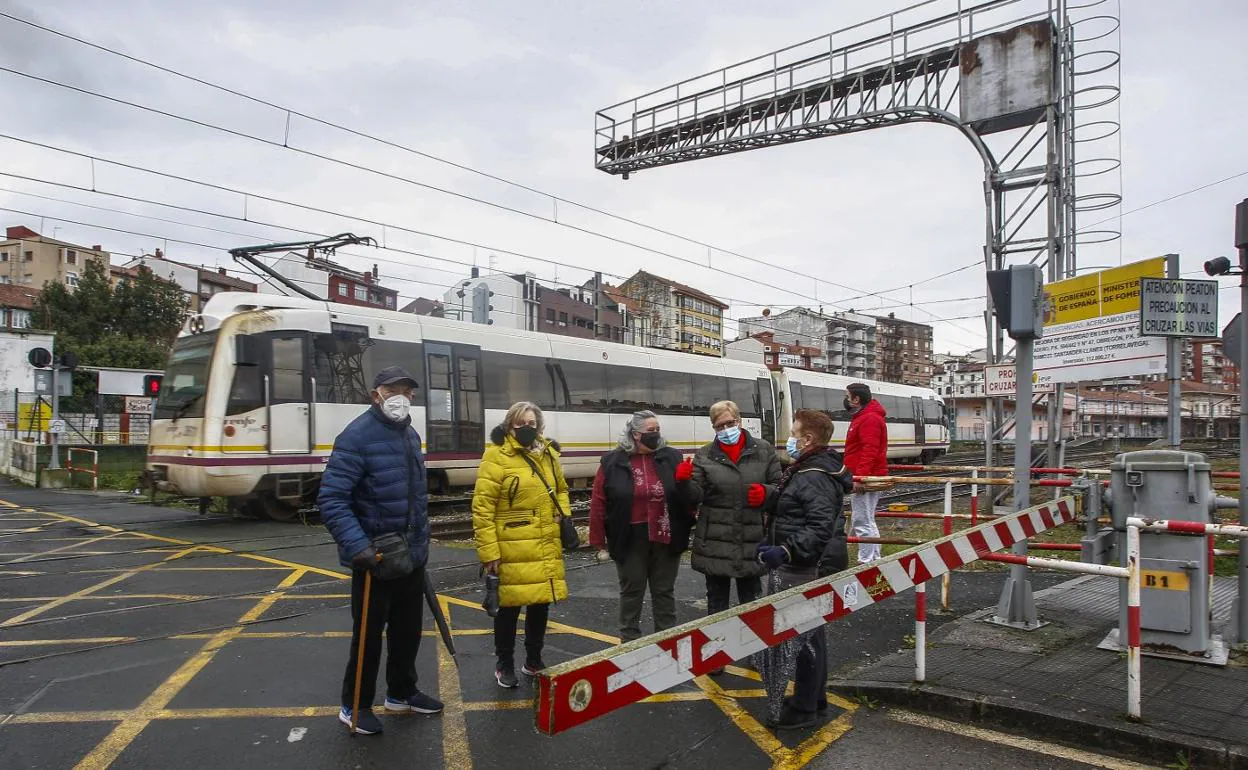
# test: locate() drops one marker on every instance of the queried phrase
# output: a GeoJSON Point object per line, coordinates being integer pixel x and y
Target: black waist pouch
{"type": "Point", "coordinates": [396, 557]}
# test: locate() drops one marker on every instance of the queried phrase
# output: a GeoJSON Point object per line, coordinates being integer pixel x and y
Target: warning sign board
{"type": "Point", "coordinates": [1092, 327]}
{"type": "Point", "coordinates": [1172, 307]}
{"type": "Point", "coordinates": [136, 405]}
{"type": "Point", "coordinates": [999, 380]}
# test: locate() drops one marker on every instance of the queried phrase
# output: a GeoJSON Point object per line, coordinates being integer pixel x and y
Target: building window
{"type": "Point", "coordinates": [390, 300]}
{"type": "Point", "coordinates": [71, 257]}
{"type": "Point", "coordinates": [4, 256]}
{"type": "Point", "coordinates": [550, 315]}
{"type": "Point", "coordinates": [71, 279]}
{"type": "Point", "coordinates": [5, 279]}
{"type": "Point", "coordinates": [563, 319]}
{"type": "Point", "coordinates": [29, 256]}
{"type": "Point", "coordinates": [342, 290]}
{"type": "Point", "coordinates": [28, 278]}
{"type": "Point", "coordinates": [361, 293]}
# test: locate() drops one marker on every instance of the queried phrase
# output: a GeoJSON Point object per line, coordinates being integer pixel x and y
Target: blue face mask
{"type": "Point", "coordinates": [791, 447]}
{"type": "Point", "coordinates": [729, 436]}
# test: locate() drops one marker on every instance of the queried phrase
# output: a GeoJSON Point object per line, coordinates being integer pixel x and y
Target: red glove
{"type": "Point", "coordinates": [756, 495]}
{"type": "Point", "coordinates": [684, 471]}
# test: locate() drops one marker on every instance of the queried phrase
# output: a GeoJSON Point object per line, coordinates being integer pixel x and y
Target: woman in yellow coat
{"type": "Point", "coordinates": [519, 497]}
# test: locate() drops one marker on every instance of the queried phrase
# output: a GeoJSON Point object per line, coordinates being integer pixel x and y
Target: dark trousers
{"type": "Point", "coordinates": [505, 622]}
{"type": "Point", "coordinates": [647, 564]}
{"type": "Point", "coordinates": [396, 606]}
{"type": "Point", "coordinates": [719, 591]}
{"type": "Point", "coordinates": [810, 680]}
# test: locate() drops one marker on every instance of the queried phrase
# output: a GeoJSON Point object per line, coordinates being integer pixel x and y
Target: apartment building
{"type": "Point", "coordinates": [904, 351]}
{"type": "Point", "coordinates": [197, 282]}
{"type": "Point", "coordinates": [674, 316]}
{"type": "Point", "coordinates": [31, 260]}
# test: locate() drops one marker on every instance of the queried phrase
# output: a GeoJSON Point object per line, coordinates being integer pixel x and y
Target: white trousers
{"type": "Point", "coordinates": [864, 525]}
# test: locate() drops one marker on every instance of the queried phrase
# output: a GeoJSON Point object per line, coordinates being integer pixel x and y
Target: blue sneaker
{"type": "Point", "coordinates": [366, 724]}
{"type": "Point", "coordinates": [418, 702]}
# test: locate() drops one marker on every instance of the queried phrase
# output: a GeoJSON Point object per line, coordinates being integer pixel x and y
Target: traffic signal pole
{"type": "Point", "coordinates": [54, 464]}
{"type": "Point", "coordinates": [1241, 243]}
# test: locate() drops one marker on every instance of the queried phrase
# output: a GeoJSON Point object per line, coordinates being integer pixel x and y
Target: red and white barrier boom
{"type": "Point", "coordinates": [575, 692]}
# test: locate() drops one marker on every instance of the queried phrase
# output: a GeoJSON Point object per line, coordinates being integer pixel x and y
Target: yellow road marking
{"type": "Point", "coordinates": [761, 736]}
{"type": "Point", "coordinates": [110, 597]}
{"type": "Point", "coordinates": [89, 590]}
{"type": "Point", "coordinates": [107, 751]}
{"type": "Point", "coordinates": [1014, 741]}
{"type": "Point", "coordinates": [498, 705]}
{"type": "Point", "coordinates": [456, 751]}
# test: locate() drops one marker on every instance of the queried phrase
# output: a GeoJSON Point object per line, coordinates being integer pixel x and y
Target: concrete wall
{"type": "Point", "coordinates": [15, 371]}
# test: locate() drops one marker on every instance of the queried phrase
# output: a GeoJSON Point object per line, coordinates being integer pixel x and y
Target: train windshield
{"type": "Point", "coordinates": [186, 378]}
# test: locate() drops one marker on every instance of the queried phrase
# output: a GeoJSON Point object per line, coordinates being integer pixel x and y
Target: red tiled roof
{"type": "Point", "coordinates": [689, 291]}
{"type": "Point", "coordinates": [19, 297]}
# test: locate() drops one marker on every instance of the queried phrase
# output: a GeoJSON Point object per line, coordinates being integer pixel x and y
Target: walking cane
{"type": "Point", "coordinates": [359, 657]}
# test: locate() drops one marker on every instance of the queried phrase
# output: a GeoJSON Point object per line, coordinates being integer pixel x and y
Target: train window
{"type": "Point", "coordinates": [379, 354]}
{"type": "Point", "coordinates": [439, 372]}
{"type": "Point", "coordinates": [470, 415]}
{"type": "Point", "coordinates": [707, 390]}
{"type": "Point", "coordinates": [765, 404]}
{"type": "Point", "coordinates": [513, 378]}
{"type": "Point", "coordinates": [288, 370]}
{"type": "Point", "coordinates": [338, 365]}
{"type": "Point", "coordinates": [629, 388]}
{"type": "Point", "coordinates": [744, 395]}
{"type": "Point", "coordinates": [186, 377]}
{"type": "Point", "coordinates": [795, 395]}
{"type": "Point", "coordinates": [933, 413]}
{"type": "Point", "coordinates": [814, 398]}
{"type": "Point", "coordinates": [586, 385]}
{"type": "Point", "coordinates": [836, 405]}
{"type": "Point", "coordinates": [673, 392]}
{"type": "Point", "coordinates": [247, 390]}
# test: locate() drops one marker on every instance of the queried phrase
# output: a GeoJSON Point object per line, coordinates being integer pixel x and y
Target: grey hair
{"type": "Point", "coordinates": [634, 425]}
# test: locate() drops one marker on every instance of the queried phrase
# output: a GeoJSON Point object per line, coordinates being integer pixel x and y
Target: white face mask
{"type": "Point", "coordinates": [396, 407]}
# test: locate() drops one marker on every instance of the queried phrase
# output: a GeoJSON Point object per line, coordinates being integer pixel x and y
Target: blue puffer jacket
{"type": "Point", "coordinates": [375, 483]}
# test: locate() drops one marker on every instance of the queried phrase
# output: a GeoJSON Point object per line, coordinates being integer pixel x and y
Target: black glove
{"type": "Point", "coordinates": [365, 560]}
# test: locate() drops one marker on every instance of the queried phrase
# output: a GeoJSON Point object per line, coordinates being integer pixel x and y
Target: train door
{"type": "Point", "coordinates": [455, 412]}
{"type": "Point", "coordinates": [920, 424]}
{"type": "Point", "coordinates": [290, 394]}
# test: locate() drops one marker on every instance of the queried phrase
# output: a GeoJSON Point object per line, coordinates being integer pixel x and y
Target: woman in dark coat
{"type": "Point", "coordinates": [806, 518]}
{"type": "Point", "coordinates": [729, 478]}
{"type": "Point", "coordinates": [639, 517]}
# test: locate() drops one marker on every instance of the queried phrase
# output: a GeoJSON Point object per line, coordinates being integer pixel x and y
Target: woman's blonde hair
{"type": "Point", "coordinates": [719, 407]}
{"type": "Point", "coordinates": [517, 411]}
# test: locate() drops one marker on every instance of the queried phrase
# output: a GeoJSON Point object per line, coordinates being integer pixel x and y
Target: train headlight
{"type": "Point", "coordinates": [195, 324]}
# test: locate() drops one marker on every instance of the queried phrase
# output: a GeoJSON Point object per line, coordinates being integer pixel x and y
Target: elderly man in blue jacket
{"type": "Point", "coordinates": [375, 485]}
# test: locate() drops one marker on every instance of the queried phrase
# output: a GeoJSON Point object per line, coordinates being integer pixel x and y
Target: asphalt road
{"type": "Point", "coordinates": [146, 637]}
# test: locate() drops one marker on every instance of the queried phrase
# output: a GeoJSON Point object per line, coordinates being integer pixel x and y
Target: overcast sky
{"type": "Point", "coordinates": [511, 89]}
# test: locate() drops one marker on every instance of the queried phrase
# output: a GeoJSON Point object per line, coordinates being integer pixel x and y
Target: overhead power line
{"type": "Point", "coordinates": [290, 111]}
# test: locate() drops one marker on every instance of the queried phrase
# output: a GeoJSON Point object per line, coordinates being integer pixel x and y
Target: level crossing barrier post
{"type": "Point", "coordinates": [578, 691]}
{"type": "Point", "coordinates": [946, 529]}
{"type": "Point", "coordinates": [920, 632]}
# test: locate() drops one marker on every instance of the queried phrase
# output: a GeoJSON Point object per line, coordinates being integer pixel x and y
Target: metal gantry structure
{"type": "Point", "coordinates": [1025, 81]}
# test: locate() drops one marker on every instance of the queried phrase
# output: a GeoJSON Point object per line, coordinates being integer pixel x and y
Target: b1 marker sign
{"type": "Point", "coordinates": [1173, 307]}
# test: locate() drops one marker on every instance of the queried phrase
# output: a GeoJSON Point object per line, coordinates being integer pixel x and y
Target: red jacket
{"type": "Point", "coordinates": [866, 444]}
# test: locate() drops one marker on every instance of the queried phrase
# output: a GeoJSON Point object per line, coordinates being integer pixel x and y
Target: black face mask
{"type": "Point", "coordinates": [849, 407]}
{"type": "Point", "coordinates": [526, 435]}
{"type": "Point", "coordinates": [651, 440]}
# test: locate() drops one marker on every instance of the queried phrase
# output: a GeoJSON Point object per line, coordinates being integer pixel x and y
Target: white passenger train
{"type": "Point", "coordinates": [258, 387]}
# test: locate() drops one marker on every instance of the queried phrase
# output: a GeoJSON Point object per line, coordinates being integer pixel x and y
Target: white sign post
{"type": "Point", "coordinates": [999, 380]}
{"type": "Point", "coordinates": [1173, 307]}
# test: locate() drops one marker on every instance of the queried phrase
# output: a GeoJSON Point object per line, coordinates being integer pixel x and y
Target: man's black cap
{"type": "Point", "coordinates": [394, 375]}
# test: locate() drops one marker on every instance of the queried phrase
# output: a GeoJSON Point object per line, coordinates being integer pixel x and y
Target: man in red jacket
{"type": "Point", "coordinates": [866, 454]}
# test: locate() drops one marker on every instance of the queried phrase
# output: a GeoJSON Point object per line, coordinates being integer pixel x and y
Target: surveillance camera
{"type": "Point", "coordinates": [1218, 266]}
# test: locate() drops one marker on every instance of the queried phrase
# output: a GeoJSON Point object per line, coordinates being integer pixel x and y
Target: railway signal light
{"type": "Point", "coordinates": [151, 384]}
{"type": "Point", "coordinates": [481, 306]}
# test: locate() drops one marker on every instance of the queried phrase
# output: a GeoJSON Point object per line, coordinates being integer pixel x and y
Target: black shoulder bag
{"type": "Point", "coordinates": [567, 530]}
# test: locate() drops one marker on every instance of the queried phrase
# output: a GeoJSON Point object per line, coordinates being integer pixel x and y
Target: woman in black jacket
{"type": "Point", "coordinates": [805, 519]}
{"type": "Point", "coordinates": [641, 519]}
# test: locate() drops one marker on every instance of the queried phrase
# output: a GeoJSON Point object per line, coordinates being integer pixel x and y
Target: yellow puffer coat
{"type": "Point", "coordinates": [514, 519]}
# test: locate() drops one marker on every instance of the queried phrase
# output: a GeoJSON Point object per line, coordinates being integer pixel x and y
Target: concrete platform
{"type": "Point", "coordinates": [1056, 683]}
{"type": "Point", "coordinates": [140, 636]}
